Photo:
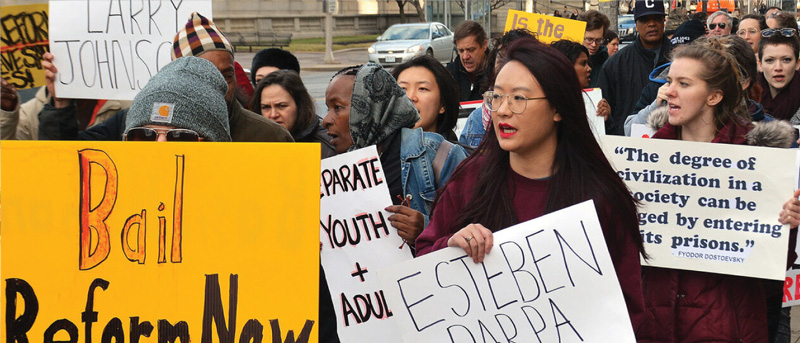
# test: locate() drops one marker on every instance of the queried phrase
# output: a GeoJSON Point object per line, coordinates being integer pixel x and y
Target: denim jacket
{"type": "Point", "coordinates": [473, 131]}
{"type": "Point", "coordinates": [417, 151]}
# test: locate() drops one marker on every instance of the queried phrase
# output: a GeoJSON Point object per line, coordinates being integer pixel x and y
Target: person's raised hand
{"type": "Point", "coordinates": [8, 96]}
{"type": "Point", "coordinates": [475, 239]}
{"type": "Point", "coordinates": [661, 97]}
{"type": "Point", "coordinates": [50, 71]}
{"type": "Point", "coordinates": [790, 214]}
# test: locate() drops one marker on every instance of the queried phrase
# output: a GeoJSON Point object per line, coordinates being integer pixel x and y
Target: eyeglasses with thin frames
{"type": "Point", "coordinates": [743, 32]}
{"type": "Point", "coordinates": [766, 33]}
{"type": "Point", "coordinates": [148, 134]}
{"type": "Point", "coordinates": [517, 103]}
{"type": "Point", "coordinates": [597, 41]}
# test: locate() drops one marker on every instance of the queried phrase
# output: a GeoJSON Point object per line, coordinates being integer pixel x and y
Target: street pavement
{"type": "Point", "coordinates": [313, 71]}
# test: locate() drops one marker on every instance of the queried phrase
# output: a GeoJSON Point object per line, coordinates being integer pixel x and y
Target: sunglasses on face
{"type": "Point", "coordinates": [714, 26]}
{"type": "Point", "coordinates": [783, 32]}
{"type": "Point", "coordinates": [147, 134]}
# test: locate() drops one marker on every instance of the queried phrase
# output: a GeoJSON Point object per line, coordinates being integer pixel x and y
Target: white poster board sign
{"type": "Point", "coordinates": [109, 49]}
{"type": "Point", "coordinates": [791, 288]}
{"type": "Point", "coordinates": [642, 131]}
{"type": "Point", "coordinates": [358, 240]}
{"type": "Point", "coordinates": [549, 279]}
{"type": "Point", "coordinates": [708, 207]}
{"type": "Point", "coordinates": [592, 97]}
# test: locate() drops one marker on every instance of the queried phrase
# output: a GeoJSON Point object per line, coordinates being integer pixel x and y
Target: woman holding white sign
{"type": "Point", "coordinates": [706, 104]}
{"type": "Point", "coordinates": [367, 107]}
{"type": "Point", "coordinates": [538, 156]}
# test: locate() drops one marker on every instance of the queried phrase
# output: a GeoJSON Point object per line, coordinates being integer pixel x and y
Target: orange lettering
{"type": "Point", "coordinates": [93, 219]}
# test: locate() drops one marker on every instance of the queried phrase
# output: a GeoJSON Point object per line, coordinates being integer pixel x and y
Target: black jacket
{"type": "Point", "coordinates": [598, 60]}
{"type": "Point", "coordinates": [624, 76]}
{"type": "Point", "coordinates": [469, 88]}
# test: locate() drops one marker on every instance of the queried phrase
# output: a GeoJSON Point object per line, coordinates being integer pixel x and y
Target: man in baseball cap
{"type": "Point", "coordinates": [626, 73]}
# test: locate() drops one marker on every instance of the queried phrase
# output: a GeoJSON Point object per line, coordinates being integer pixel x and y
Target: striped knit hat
{"type": "Point", "coordinates": [199, 35]}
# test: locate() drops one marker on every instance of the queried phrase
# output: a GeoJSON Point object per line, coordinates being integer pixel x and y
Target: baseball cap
{"type": "Point", "coordinates": [648, 7]}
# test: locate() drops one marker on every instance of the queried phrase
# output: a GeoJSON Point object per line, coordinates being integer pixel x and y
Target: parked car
{"type": "Point", "coordinates": [626, 28]}
{"type": "Point", "coordinates": [402, 42]}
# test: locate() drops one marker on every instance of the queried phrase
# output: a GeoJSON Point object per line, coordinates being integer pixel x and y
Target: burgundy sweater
{"type": "Point", "coordinates": [530, 197]}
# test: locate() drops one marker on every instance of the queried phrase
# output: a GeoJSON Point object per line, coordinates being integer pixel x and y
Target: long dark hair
{"type": "Point", "coordinates": [290, 81]}
{"type": "Point", "coordinates": [448, 92]}
{"type": "Point", "coordinates": [580, 169]}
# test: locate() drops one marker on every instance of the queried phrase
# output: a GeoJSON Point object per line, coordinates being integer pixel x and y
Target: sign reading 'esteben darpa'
{"type": "Point", "coordinates": [550, 279]}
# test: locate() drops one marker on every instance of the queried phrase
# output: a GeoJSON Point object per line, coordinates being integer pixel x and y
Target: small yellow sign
{"type": "Point", "coordinates": [548, 28]}
{"type": "Point", "coordinates": [24, 34]}
{"type": "Point", "coordinates": [198, 241]}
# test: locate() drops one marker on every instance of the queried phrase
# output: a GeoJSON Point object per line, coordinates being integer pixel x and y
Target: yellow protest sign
{"type": "Point", "coordinates": [548, 28]}
{"type": "Point", "coordinates": [197, 241]}
{"type": "Point", "coordinates": [24, 38]}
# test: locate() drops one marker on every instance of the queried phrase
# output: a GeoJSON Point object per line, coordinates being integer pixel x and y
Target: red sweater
{"type": "Point", "coordinates": [530, 197]}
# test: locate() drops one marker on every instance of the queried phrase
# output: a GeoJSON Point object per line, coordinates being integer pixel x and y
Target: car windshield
{"type": "Point", "coordinates": [406, 32]}
{"type": "Point", "coordinates": [626, 21]}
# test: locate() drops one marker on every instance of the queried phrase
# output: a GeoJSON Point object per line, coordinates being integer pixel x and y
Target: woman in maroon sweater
{"type": "Point", "coordinates": [705, 102]}
{"type": "Point", "coordinates": [538, 156]}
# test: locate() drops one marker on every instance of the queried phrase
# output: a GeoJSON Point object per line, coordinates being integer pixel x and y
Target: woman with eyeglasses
{"type": "Point", "coordinates": [778, 51]}
{"type": "Point", "coordinates": [705, 104]}
{"type": "Point", "coordinates": [280, 96]}
{"type": "Point", "coordinates": [719, 24]}
{"type": "Point", "coordinates": [538, 156]}
{"type": "Point", "coordinates": [750, 29]}
{"type": "Point", "coordinates": [185, 102]}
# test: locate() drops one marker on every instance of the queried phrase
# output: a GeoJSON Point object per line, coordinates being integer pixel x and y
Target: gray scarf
{"type": "Point", "coordinates": [379, 107]}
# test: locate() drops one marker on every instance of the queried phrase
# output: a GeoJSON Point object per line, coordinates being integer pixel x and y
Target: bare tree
{"type": "Point", "coordinates": [494, 4]}
{"type": "Point", "coordinates": [420, 11]}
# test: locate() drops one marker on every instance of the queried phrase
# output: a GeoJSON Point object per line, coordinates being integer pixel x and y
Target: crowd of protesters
{"type": "Point", "coordinates": [526, 151]}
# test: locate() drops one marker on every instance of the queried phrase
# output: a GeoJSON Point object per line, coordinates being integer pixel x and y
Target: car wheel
{"type": "Point", "coordinates": [429, 52]}
{"type": "Point", "coordinates": [453, 55]}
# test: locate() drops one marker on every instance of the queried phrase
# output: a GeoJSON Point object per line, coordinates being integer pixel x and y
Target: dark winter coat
{"type": "Point", "coordinates": [624, 76]}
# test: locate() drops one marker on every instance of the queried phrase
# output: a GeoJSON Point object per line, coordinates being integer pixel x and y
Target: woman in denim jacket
{"type": "Point", "coordinates": [367, 107]}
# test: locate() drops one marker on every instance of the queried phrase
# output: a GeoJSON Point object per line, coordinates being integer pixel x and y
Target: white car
{"type": "Point", "coordinates": [402, 42]}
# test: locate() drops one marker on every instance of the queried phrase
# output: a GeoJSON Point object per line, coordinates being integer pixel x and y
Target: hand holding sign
{"type": "Point", "coordinates": [50, 72]}
{"type": "Point", "coordinates": [790, 214]}
{"type": "Point", "coordinates": [475, 239]}
{"type": "Point", "coordinates": [8, 97]}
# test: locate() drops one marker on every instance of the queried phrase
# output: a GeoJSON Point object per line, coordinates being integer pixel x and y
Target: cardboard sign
{"type": "Point", "coordinates": [708, 207]}
{"type": "Point", "coordinates": [592, 97]}
{"type": "Point", "coordinates": [548, 28]}
{"type": "Point", "coordinates": [110, 49]}
{"type": "Point", "coordinates": [197, 241]}
{"type": "Point", "coordinates": [791, 288]}
{"type": "Point", "coordinates": [358, 240]}
{"type": "Point", "coordinates": [23, 40]}
{"type": "Point", "coordinates": [542, 279]}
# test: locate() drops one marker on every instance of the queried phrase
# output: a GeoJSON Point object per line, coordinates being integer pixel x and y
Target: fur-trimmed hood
{"type": "Point", "coordinates": [774, 133]}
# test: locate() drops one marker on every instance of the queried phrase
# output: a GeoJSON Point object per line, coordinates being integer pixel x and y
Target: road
{"type": "Point", "coordinates": [314, 73]}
